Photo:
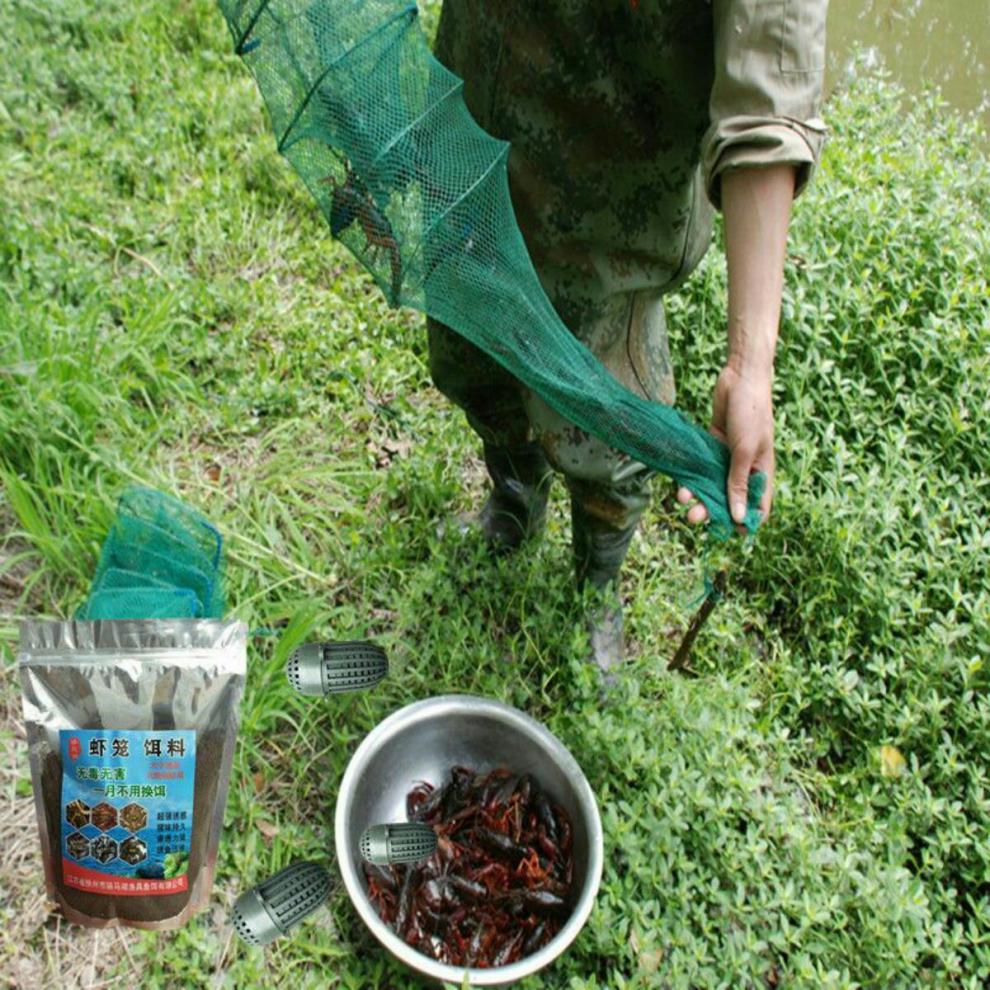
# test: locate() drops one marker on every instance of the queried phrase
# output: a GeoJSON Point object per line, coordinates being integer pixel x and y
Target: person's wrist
{"type": "Point", "coordinates": [752, 342]}
{"type": "Point", "coordinates": [751, 367]}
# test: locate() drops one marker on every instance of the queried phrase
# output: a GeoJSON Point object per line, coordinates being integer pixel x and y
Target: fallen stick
{"type": "Point", "coordinates": [679, 662]}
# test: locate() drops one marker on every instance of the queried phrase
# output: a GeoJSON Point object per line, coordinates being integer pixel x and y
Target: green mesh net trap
{"type": "Point", "coordinates": [379, 132]}
{"type": "Point", "coordinates": [160, 560]}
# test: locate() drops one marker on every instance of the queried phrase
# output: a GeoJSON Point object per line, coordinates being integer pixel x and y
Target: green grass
{"type": "Point", "coordinates": [172, 311]}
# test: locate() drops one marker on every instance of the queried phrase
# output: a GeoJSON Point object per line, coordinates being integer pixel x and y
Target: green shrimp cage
{"type": "Point", "coordinates": [160, 560]}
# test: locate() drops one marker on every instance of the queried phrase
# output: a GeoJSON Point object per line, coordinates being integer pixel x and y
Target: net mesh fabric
{"type": "Point", "coordinates": [379, 133]}
{"type": "Point", "coordinates": [160, 560]}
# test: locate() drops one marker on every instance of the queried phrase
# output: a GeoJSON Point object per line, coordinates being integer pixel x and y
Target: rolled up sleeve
{"type": "Point", "coordinates": [766, 99]}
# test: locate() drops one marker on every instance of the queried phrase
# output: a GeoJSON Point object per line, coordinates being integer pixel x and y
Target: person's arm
{"type": "Point", "coordinates": [756, 203]}
{"type": "Point", "coordinates": [762, 145]}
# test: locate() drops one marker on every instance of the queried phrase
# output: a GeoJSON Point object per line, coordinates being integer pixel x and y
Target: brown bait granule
{"type": "Point", "coordinates": [77, 813]}
{"type": "Point", "coordinates": [133, 850]}
{"type": "Point", "coordinates": [103, 848]}
{"type": "Point", "coordinates": [133, 817]}
{"type": "Point", "coordinates": [78, 845]}
{"type": "Point", "coordinates": [104, 816]}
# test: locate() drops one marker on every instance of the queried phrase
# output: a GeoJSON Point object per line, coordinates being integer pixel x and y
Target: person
{"type": "Point", "coordinates": [631, 122]}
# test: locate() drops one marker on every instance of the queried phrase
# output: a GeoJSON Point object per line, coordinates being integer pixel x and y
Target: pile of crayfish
{"type": "Point", "coordinates": [498, 888]}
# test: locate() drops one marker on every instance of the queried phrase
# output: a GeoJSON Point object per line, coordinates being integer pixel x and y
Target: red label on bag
{"type": "Point", "coordinates": [82, 878]}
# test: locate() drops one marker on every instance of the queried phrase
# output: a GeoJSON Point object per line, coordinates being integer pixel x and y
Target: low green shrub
{"type": "Point", "coordinates": [171, 311]}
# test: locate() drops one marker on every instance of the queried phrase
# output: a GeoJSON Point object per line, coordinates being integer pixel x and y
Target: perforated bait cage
{"type": "Point", "coordinates": [399, 842]}
{"type": "Point", "coordinates": [330, 668]}
{"type": "Point", "coordinates": [269, 910]}
{"type": "Point", "coordinates": [378, 130]}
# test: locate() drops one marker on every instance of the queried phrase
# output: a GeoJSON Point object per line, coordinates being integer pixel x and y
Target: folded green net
{"type": "Point", "coordinates": [160, 560]}
{"type": "Point", "coordinates": [379, 132]}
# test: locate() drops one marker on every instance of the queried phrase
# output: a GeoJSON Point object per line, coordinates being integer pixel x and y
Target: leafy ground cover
{"type": "Point", "coordinates": [810, 810]}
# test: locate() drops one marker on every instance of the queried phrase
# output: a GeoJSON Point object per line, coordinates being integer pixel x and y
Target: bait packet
{"type": "Point", "coordinates": [131, 727]}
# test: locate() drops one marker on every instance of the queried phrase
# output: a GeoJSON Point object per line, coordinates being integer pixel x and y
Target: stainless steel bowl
{"type": "Point", "coordinates": [422, 742]}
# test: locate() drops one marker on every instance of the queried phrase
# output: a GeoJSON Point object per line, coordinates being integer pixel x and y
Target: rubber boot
{"type": "Point", "coordinates": [599, 548]}
{"type": "Point", "coordinates": [605, 632]}
{"type": "Point", "coordinates": [516, 508]}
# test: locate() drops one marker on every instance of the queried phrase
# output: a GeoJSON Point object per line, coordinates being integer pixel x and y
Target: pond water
{"type": "Point", "coordinates": [946, 42]}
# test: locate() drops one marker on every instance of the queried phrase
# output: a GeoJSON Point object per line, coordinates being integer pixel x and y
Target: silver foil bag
{"type": "Point", "coordinates": [131, 728]}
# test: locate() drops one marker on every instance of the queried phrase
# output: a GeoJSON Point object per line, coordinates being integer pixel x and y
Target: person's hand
{"type": "Point", "coordinates": [742, 418]}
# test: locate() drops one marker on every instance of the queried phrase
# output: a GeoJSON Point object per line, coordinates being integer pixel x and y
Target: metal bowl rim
{"type": "Point", "coordinates": [470, 704]}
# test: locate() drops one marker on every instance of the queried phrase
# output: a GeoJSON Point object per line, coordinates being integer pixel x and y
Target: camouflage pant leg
{"type": "Point", "coordinates": [490, 397]}
{"type": "Point", "coordinates": [628, 335]}
{"type": "Point", "coordinates": [492, 401]}
{"type": "Point", "coordinates": [609, 490]}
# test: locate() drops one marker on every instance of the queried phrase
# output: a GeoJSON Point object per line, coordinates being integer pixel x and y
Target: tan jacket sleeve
{"type": "Point", "coordinates": [766, 99]}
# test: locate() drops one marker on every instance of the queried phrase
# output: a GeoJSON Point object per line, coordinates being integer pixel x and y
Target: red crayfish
{"type": "Point", "coordinates": [351, 202]}
{"type": "Point", "coordinates": [498, 888]}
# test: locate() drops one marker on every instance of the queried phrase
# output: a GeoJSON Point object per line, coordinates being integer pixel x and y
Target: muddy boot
{"type": "Point", "coordinates": [600, 542]}
{"type": "Point", "coordinates": [516, 508]}
{"type": "Point", "coordinates": [605, 633]}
